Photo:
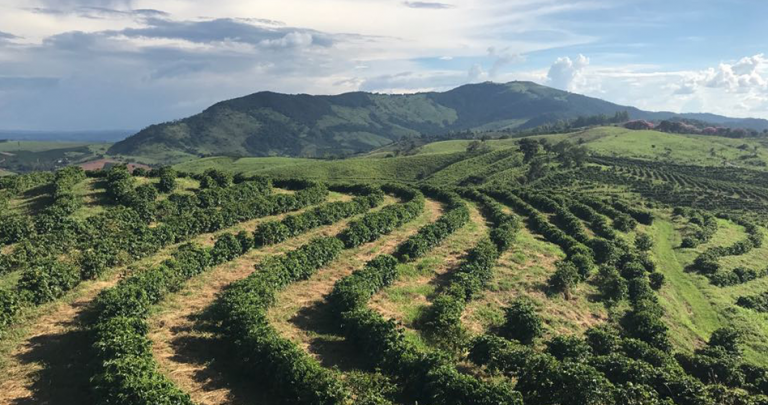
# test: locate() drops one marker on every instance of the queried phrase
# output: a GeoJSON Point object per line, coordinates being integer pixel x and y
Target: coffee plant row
{"type": "Point", "coordinates": [242, 310]}
{"type": "Point", "coordinates": [125, 368]}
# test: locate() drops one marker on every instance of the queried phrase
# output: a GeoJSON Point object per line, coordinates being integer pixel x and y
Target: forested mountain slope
{"type": "Point", "coordinates": [272, 124]}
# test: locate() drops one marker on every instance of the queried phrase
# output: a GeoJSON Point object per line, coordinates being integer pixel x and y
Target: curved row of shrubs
{"type": "Point", "coordinates": [442, 321]}
{"type": "Point", "coordinates": [120, 236]}
{"type": "Point", "coordinates": [20, 183]}
{"type": "Point", "coordinates": [275, 361]}
{"type": "Point", "coordinates": [597, 222]}
{"type": "Point", "coordinates": [642, 216]}
{"type": "Point", "coordinates": [757, 302]}
{"type": "Point", "coordinates": [539, 223]}
{"type": "Point", "coordinates": [455, 216]}
{"type": "Point", "coordinates": [125, 369]}
{"type": "Point", "coordinates": [705, 226]}
{"type": "Point", "coordinates": [566, 220]}
{"type": "Point", "coordinates": [383, 222]}
{"type": "Point", "coordinates": [63, 202]}
{"type": "Point", "coordinates": [707, 263]}
{"type": "Point", "coordinates": [273, 232]}
{"type": "Point", "coordinates": [242, 309]}
{"type": "Point", "coordinates": [606, 368]}
{"type": "Point", "coordinates": [621, 221]}
{"type": "Point", "coordinates": [426, 377]}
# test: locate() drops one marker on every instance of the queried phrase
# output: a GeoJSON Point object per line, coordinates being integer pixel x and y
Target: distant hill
{"type": "Point", "coordinates": [273, 124]}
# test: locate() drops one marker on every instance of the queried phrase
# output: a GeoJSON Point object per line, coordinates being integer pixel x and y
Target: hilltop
{"type": "Point", "coordinates": [273, 124]}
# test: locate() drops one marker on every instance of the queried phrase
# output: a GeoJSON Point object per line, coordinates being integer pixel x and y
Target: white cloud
{"type": "Point", "coordinates": [290, 40]}
{"type": "Point", "coordinates": [565, 71]}
{"type": "Point", "coordinates": [736, 88]}
{"type": "Point", "coordinates": [130, 63]}
{"type": "Point", "coordinates": [476, 74]}
{"type": "Point", "coordinates": [503, 58]}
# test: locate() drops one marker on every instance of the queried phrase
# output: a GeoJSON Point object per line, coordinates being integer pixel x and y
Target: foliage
{"type": "Point", "coordinates": [521, 322]}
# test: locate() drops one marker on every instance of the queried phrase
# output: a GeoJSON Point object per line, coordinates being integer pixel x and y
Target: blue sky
{"type": "Point", "coordinates": [126, 64]}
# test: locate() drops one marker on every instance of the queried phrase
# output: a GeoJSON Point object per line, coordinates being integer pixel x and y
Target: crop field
{"type": "Point", "coordinates": [522, 273]}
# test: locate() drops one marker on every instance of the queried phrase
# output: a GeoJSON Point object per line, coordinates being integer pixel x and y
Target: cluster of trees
{"type": "Point", "coordinates": [564, 126]}
{"type": "Point", "coordinates": [567, 154]}
{"type": "Point", "coordinates": [702, 128]}
{"type": "Point", "coordinates": [757, 302]}
{"type": "Point", "coordinates": [443, 319]}
{"type": "Point", "coordinates": [683, 126]}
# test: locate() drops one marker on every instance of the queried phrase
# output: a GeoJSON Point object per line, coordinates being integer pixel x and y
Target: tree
{"type": "Point", "coordinates": [478, 147]}
{"type": "Point", "coordinates": [727, 338]}
{"type": "Point", "coordinates": [536, 170]}
{"type": "Point", "coordinates": [611, 285]}
{"type": "Point", "coordinates": [167, 180]}
{"type": "Point", "coordinates": [530, 149]}
{"type": "Point", "coordinates": [656, 280]}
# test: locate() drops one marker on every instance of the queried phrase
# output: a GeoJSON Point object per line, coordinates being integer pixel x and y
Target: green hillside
{"type": "Point", "coordinates": [272, 124]}
{"type": "Point", "coordinates": [626, 264]}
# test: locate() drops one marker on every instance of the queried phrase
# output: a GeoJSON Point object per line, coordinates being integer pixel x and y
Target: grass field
{"type": "Point", "coordinates": [681, 149]}
{"type": "Point", "coordinates": [695, 308]}
{"type": "Point", "coordinates": [406, 169]}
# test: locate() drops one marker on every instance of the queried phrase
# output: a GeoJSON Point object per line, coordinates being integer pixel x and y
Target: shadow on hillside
{"type": "Point", "coordinates": [37, 199]}
{"type": "Point", "coordinates": [218, 368]}
{"type": "Point", "coordinates": [97, 196]}
{"type": "Point", "coordinates": [64, 377]}
{"type": "Point", "coordinates": [330, 347]}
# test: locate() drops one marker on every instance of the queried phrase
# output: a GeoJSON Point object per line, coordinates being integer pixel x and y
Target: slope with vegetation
{"type": "Point", "coordinates": [271, 124]}
{"type": "Point", "coordinates": [602, 266]}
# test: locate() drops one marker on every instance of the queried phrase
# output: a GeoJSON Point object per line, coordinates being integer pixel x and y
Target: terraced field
{"type": "Point", "coordinates": [468, 281]}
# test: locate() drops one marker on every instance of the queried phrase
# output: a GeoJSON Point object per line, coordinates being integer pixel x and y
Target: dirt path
{"type": "Point", "coordinates": [49, 367]}
{"type": "Point", "coordinates": [301, 314]}
{"type": "Point", "coordinates": [45, 356]}
{"type": "Point", "coordinates": [407, 298]}
{"type": "Point", "coordinates": [188, 353]}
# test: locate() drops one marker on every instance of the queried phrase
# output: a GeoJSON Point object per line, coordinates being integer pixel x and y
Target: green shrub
{"type": "Point", "coordinates": [521, 322]}
{"type": "Point", "coordinates": [565, 278]}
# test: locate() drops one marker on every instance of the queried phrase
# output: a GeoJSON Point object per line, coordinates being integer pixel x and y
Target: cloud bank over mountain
{"type": "Point", "coordinates": [95, 64]}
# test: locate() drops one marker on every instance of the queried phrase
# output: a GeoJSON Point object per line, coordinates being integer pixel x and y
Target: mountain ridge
{"type": "Point", "coordinates": [275, 124]}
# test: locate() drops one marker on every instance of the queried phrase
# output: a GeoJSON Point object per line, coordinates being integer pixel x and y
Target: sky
{"type": "Point", "coordinates": [127, 64]}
